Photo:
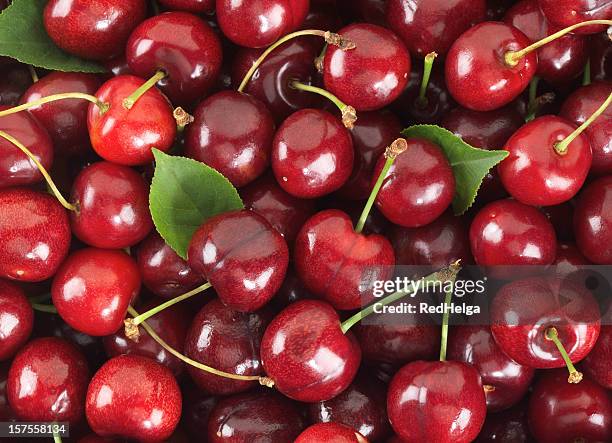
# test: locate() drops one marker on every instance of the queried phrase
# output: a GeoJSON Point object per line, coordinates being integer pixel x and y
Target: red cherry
{"type": "Point", "coordinates": [196, 6]}
{"type": "Point", "coordinates": [600, 58]}
{"type": "Point", "coordinates": [563, 13]}
{"type": "Point", "coordinates": [197, 406]}
{"type": "Point", "coordinates": [597, 363]}
{"type": "Point", "coordinates": [15, 79]}
{"type": "Point", "coordinates": [332, 432]}
{"type": "Point", "coordinates": [133, 397]}
{"type": "Point", "coordinates": [92, 29]}
{"type": "Point", "coordinates": [509, 426]}
{"type": "Point", "coordinates": [569, 259]}
{"type": "Point", "coordinates": [291, 290]}
{"type": "Point", "coordinates": [16, 319]}
{"type": "Point", "coordinates": [593, 221]}
{"type": "Point", "coordinates": [93, 288]}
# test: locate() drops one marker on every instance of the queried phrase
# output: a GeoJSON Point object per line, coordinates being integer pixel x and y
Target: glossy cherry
{"type": "Point", "coordinates": [197, 406]}
{"type": "Point", "coordinates": [16, 319]}
{"type": "Point", "coordinates": [597, 363]}
{"type": "Point", "coordinates": [196, 6]}
{"type": "Point", "coordinates": [569, 259]}
{"type": "Point", "coordinates": [15, 80]}
{"type": "Point", "coordinates": [600, 58]}
{"type": "Point", "coordinates": [565, 13]}
{"type": "Point", "coordinates": [509, 426]}
{"type": "Point", "coordinates": [336, 432]}
{"type": "Point", "coordinates": [593, 221]}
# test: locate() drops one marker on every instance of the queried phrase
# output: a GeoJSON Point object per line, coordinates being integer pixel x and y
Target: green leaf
{"type": "Point", "coordinates": [23, 37]}
{"type": "Point", "coordinates": [184, 194]}
{"type": "Point", "coordinates": [470, 165]}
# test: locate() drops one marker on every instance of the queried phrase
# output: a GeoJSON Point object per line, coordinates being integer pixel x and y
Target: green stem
{"type": "Point", "coordinates": [445, 319]}
{"type": "Point", "coordinates": [532, 106]}
{"type": "Point", "coordinates": [427, 66]}
{"type": "Point", "coordinates": [57, 438]}
{"type": "Point", "coordinates": [44, 308]}
{"type": "Point", "coordinates": [586, 76]}
{"type": "Point", "coordinates": [130, 101]}
{"type": "Point", "coordinates": [55, 97]}
{"type": "Point", "coordinates": [553, 335]}
{"type": "Point", "coordinates": [349, 115]}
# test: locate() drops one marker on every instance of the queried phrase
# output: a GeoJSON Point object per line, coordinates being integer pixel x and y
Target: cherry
{"type": "Point", "coordinates": [558, 216]}
{"type": "Point", "coordinates": [126, 136]}
{"type": "Point", "coordinates": [600, 60]}
{"type": "Point", "coordinates": [34, 232]}
{"type": "Point", "coordinates": [14, 81]}
{"type": "Point", "coordinates": [336, 432]}
{"type": "Point", "coordinates": [312, 154]}
{"type": "Point", "coordinates": [509, 426]}
{"type": "Point", "coordinates": [570, 12]}
{"type": "Point", "coordinates": [593, 221]}
{"type": "Point", "coordinates": [93, 289]}
{"type": "Point", "coordinates": [47, 381]}
{"type": "Point", "coordinates": [597, 363]}
{"type": "Point", "coordinates": [453, 409]}
{"type": "Point", "coordinates": [497, 8]}
{"type": "Point", "coordinates": [306, 354]}
{"type": "Point", "coordinates": [232, 132]}
{"type": "Point", "coordinates": [255, 416]}
{"type": "Point", "coordinates": [184, 47]}
{"type": "Point", "coordinates": [6, 413]}
{"type": "Point", "coordinates": [197, 406]}
{"type": "Point", "coordinates": [432, 26]}
{"type": "Point", "coordinates": [92, 29]}
{"type": "Point", "coordinates": [196, 6]}
{"type": "Point", "coordinates": [569, 259]}
{"type": "Point", "coordinates": [133, 397]}
{"type": "Point", "coordinates": [16, 319]}
{"type": "Point", "coordinates": [562, 412]}
{"type": "Point", "coordinates": [373, 74]}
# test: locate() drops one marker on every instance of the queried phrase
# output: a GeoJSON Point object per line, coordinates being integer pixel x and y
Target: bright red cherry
{"type": "Point", "coordinates": [564, 13]}
{"type": "Point", "coordinates": [15, 80]}
{"type": "Point", "coordinates": [196, 6]}
{"type": "Point", "coordinates": [597, 363]}
{"type": "Point", "coordinates": [133, 397]}
{"type": "Point", "coordinates": [593, 221]}
{"type": "Point", "coordinates": [332, 432]}
{"type": "Point", "coordinates": [93, 288]}
{"type": "Point", "coordinates": [16, 319]}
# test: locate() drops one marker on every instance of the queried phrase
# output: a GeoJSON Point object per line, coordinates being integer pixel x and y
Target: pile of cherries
{"type": "Point", "coordinates": [255, 337]}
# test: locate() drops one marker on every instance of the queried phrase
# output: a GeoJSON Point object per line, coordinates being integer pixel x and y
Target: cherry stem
{"type": "Point", "coordinates": [562, 146]}
{"type": "Point", "coordinates": [445, 317]}
{"type": "Point", "coordinates": [42, 170]}
{"type": "Point", "coordinates": [182, 117]}
{"type": "Point", "coordinates": [427, 66]}
{"type": "Point", "coordinates": [129, 102]}
{"type": "Point", "coordinates": [56, 437]}
{"type": "Point", "coordinates": [445, 274]}
{"type": "Point", "coordinates": [586, 75]}
{"type": "Point", "coordinates": [55, 97]}
{"type": "Point", "coordinates": [33, 73]}
{"type": "Point", "coordinates": [265, 381]}
{"type": "Point", "coordinates": [532, 106]}
{"type": "Point", "coordinates": [512, 57]}
{"type": "Point", "coordinates": [319, 60]}
{"type": "Point", "coordinates": [393, 150]}
{"type": "Point", "coordinates": [44, 308]}
{"type": "Point", "coordinates": [349, 114]}
{"type": "Point", "coordinates": [330, 38]}
{"type": "Point", "coordinates": [553, 335]}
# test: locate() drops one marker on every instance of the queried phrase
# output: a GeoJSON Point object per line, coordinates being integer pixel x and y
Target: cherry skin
{"type": "Point", "coordinates": [339, 265]}
{"type": "Point", "coordinates": [112, 217]}
{"type": "Point", "coordinates": [47, 381]}
{"type": "Point", "coordinates": [233, 133]}
{"type": "Point", "coordinates": [597, 363]}
{"type": "Point", "coordinates": [565, 13]}
{"type": "Point", "coordinates": [126, 136]}
{"type": "Point", "coordinates": [509, 426]}
{"type": "Point", "coordinates": [312, 154]}
{"type": "Point", "coordinates": [419, 186]}
{"type": "Point", "coordinates": [558, 216]}
{"type": "Point", "coordinates": [16, 319]}
{"type": "Point", "coordinates": [16, 169]}
{"type": "Point", "coordinates": [182, 45]}
{"type": "Point", "coordinates": [133, 397]}
{"type": "Point", "coordinates": [93, 288]}
{"type": "Point", "coordinates": [336, 432]}
{"type": "Point", "coordinates": [600, 57]}
{"type": "Point", "coordinates": [197, 406]}
{"type": "Point", "coordinates": [35, 234]}
{"type": "Point", "coordinates": [306, 354]}
{"type": "Point", "coordinates": [593, 221]}
{"type": "Point", "coordinates": [477, 75]}
{"type": "Point", "coordinates": [92, 29]}
{"type": "Point", "coordinates": [569, 260]}
{"type": "Point", "coordinates": [373, 74]}
{"type": "Point", "coordinates": [15, 80]}
{"type": "Point", "coordinates": [454, 408]}
{"type": "Point", "coordinates": [195, 6]}
{"type": "Point", "coordinates": [242, 256]}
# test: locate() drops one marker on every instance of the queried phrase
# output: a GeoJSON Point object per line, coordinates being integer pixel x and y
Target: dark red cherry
{"type": "Point", "coordinates": [564, 412]}
{"type": "Point", "coordinates": [182, 45]}
{"type": "Point", "coordinates": [16, 169]}
{"type": "Point", "coordinates": [195, 6]}
{"type": "Point", "coordinates": [507, 232]}
{"type": "Point", "coordinates": [232, 132]}
{"type": "Point", "coordinates": [34, 232]}
{"type": "Point", "coordinates": [242, 256]}
{"type": "Point", "coordinates": [564, 13]}
{"type": "Point", "coordinates": [306, 354]}
{"type": "Point", "coordinates": [432, 26]}
{"type": "Point", "coordinates": [509, 426]}
{"type": "Point", "coordinates": [419, 186]}
{"type": "Point", "coordinates": [332, 432]}
{"type": "Point", "coordinates": [597, 363]}
{"type": "Point", "coordinates": [569, 259]}
{"type": "Point", "coordinates": [133, 397]}
{"type": "Point", "coordinates": [93, 29]}
{"type": "Point", "coordinates": [387, 61]}
{"type": "Point", "coordinates": [47, 381]}
{"type": "Point", "coordinates": [16, 319]}
{"type": "Point", "coordinates": [291, 290]}
{"type": "Point", "coordinates": [255, 416]}
{"type": "Point", "coordinates": [600, 57]}
{"type": "Point", "coordinates": [197, 406]}
{"type": "Point", "coordinates": [593, 221]}
{"type": "Point", "coordinates": [558, 216]}
{"type": "Point", "coordinates": [126, 136]}
{"type": "Point", "coordinates": [312, 154]}
{"type": "Point", "coordinates": [438, 401]}
{"type": "Point", "coordinates": [477, 75]}
{"type": "Point", "coordinates": [338, 264]}
{"type": "Point", "coordinates": [15, 80]}
{"type": "Point", "coordinates": [93, 288]}
{"type": "Point", "coordinates": [259, 23]}
{"type": "Point", "coordinates": [6, 413]}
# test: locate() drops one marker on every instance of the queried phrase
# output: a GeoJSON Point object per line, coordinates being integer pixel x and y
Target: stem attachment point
{"type": "Point", "coordinates": [130, 101]}
{"type": "Point", "coordinates": [182, 117]}
{"type": "Point", "coordinates": [343, 43]}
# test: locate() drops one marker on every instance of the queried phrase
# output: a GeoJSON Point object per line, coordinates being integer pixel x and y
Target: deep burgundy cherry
{"type": "Point", "coordinates": [133, 397]}
{"type": "Point", "coordinates": [558, 216]}
{"type": "Point", "coordinates": [597, 363]}
{"type": "Point", "coordinates": [339, 265]}
{"type": "Point", "coordinates": [559, 411]}
{"type": "Point", "coordinates": [564, 13]}
{"type": "Point", "coordinates": [371, 75]}
{"type": "Point", "coordinates": [432, 26]}
{"type": "Point", "coordinates": [34, 232]}
{"type": "Point", "coordinates": [255, 416]}
{"type": "Point", "coordinates": [593, 221]}
{"type": "Point", "coordinates": [306, 354]}
{"type": "Point", "coordinates": [419, 186]}
{"type": "Point", "coordinates": [47, 381]}
{"type": "Point", "coordinates": [15, 80]}
{"type": "Point", "coordinates": [507, 232]}
{"type": "Point", "coordinates": [312, 154]}
{"type": "Point", "coordinates": [437, 401]}
{"type": "Point", "coordinates": [509, 426]}
{"type": "Point", "coordinates": [477, 75]}
{"type": "Point", "coordinates": [197, 406]}
{"type": "Point", "coordinates": [16, 319]}
{"type": "Point", "coordinates": [93, 29]}
{"type": "Point", "coordinates": [242, 256]}
{"type": "Point", "coordinates": [182, 45]}
{"type": "Point", "coordinates": [233, 133]}
{"type": "Point", "coordinates": [127, 136]}
{"type": "Point", "coordinates": [93, 288]}
{"type": "Point", "coordinates": [600, 57]}
{"type": "Point", "coordinates": [196, 6]}
{"type": "Point", "coordinates": [332, 432]}
{"type": "Point", "coordinates": [16, 169]}
{"type": "Point", "coordinates": [112, 206]}
{"type": "Point", "coordinates": [569, 260]}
